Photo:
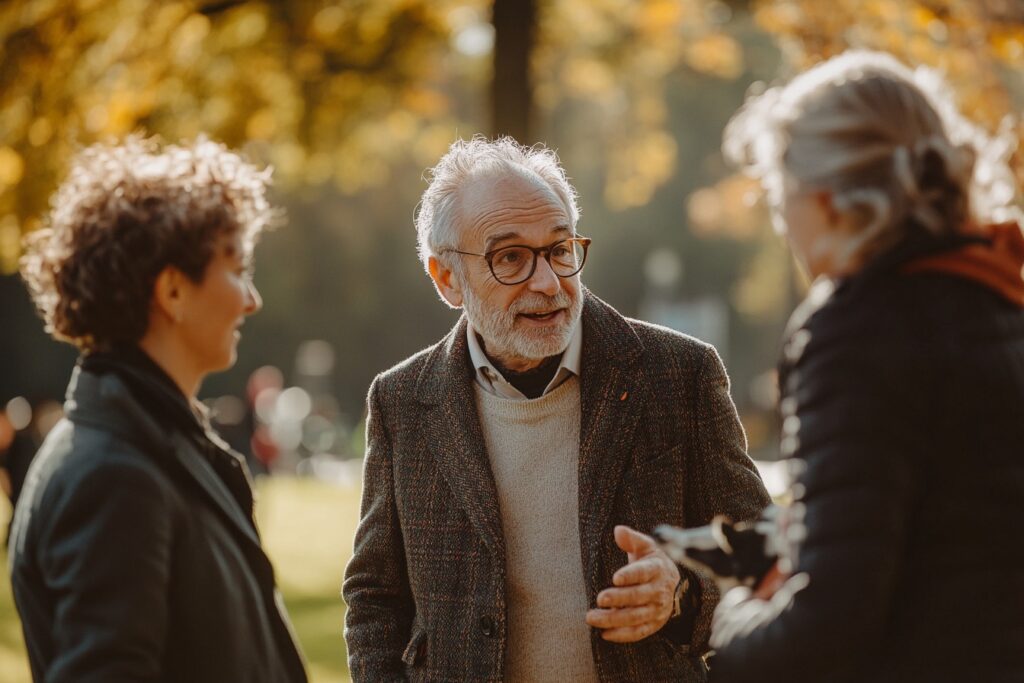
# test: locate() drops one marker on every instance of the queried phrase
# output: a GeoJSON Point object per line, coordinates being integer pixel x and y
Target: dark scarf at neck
{"type": "Point", "coordinates": [534, 381]}
{"type": "Point", "coordinates": [161, 398]}
{"type": "Point", "coordinates": [150, 385]}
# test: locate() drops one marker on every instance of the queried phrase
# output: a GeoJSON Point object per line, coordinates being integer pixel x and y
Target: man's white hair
{"type": "Point", "coordinates": [467, 160]}
{"type": "Point", "coordinates": [888, 142]}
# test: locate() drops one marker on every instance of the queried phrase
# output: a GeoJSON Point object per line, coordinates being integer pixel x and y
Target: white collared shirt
{"type": "Point", "coordinates": [492, 381]}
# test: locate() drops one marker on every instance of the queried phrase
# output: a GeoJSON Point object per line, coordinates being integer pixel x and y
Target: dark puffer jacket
{"type": "Point", "coordinates": [904, 395]}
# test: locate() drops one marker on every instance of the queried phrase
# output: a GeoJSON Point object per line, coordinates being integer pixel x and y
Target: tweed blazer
{"type": "Point", "coordinates": [660, 441]}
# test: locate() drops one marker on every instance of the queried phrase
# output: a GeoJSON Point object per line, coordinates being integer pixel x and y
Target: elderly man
{"type": "Point", "coordinates": [509, 466]}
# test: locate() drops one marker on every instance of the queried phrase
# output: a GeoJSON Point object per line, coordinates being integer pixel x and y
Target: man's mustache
{"type": "Point", "coordinates": [538, 303]}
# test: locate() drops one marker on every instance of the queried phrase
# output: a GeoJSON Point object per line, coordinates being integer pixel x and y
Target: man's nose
{"type": "Point", "coordinates": [544, 279]}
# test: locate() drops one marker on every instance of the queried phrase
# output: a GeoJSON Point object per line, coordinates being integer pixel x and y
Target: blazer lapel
{"type": "Point", "coordinates": [454, 437]}
{"type": "Point", "coordinates": [612, 391]}
{"type": "Point", "coordinates": [611, 395]}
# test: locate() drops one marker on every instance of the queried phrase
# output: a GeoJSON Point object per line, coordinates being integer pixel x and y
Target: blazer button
{"type": "Point", "coordinates": [487, 627]}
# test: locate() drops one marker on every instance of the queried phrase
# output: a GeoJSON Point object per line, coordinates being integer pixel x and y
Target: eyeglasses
{"type": "Point", "coordinates": [517, 263]}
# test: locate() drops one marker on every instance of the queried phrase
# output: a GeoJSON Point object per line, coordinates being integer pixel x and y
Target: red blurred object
{"type": "Point", "coordinates": [263, 447]}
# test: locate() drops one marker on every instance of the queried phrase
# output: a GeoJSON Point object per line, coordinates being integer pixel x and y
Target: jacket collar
{"type": "Point", "coordinates": [607, 338]}
{"type": "Point", "coordinates": [104, 401]}
{"type": "Point", "coordinates": [919, 244]}
{"type": "Point", "coordinates": [488, 376]}
{"type": "Point", "coordinates": [611, 396]}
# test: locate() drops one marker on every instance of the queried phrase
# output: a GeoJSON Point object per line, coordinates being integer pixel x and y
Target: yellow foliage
{"type": "Point", "coordinates": [619, 55]}
{"type": "Point", "coordinates": [426, 102]}
{"type": "Point", "coordinates": [923, 17]}
{"type": "Point", "coordinates": [40, 132]}
{"type": "Point", "coordinates": [340, 90]}
{"type": "Point", "coordinates": [10, 242]}
{"type": "Point", "coordinates": [328, 21]}
{"type": "Point", "coordinates": [638, 166]}
{"type": "Point", "coordinates": [728, 208]}
{"type": "Point", "coordinates": [588, 77]}
{"type": "Point", "coordinates": [295, 76]}
{"type": "Point", "coordinates": [1008, 45]}
{"type": "Point", "coordinates": [654, 15]}
{"type": "Point", "coordinates": [716, 54]}
{"type": "Point", "coordinates": [979, 45]}
{"type": "Point", "coordinates": [12, 167]}
{"type": "Point", "coordinates": [261, 125]}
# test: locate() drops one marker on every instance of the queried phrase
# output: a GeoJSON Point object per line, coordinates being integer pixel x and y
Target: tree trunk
{"type": "Point", "coordinates": [515, 24]}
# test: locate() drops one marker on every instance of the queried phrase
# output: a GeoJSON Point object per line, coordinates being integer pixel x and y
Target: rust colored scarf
{"type": "Point", "coordinates": [997, 265]}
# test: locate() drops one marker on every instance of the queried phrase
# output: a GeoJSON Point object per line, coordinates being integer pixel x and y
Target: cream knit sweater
{"type": "Point", "coordinates": [533, 448]}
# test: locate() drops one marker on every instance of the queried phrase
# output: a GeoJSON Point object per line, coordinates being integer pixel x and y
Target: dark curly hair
{"type": "Point", "coordinates": [126, 212]}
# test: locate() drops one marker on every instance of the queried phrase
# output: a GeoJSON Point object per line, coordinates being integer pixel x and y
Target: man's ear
{"type": "Point", "coordinates": [169, 293]}
{"type": "Point", "coordinates": [825, 202]}
{"type": "Point", "coordinates": [447, 282]}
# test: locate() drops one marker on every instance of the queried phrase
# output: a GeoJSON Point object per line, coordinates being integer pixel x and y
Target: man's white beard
{"type": "Point", "coordinates": [502, 338]}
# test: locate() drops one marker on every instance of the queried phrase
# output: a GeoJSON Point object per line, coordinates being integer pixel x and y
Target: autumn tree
{"type": "Point", "coordinates": [339, 92]}
{"type": "Point", "coordinates": [326, 92]}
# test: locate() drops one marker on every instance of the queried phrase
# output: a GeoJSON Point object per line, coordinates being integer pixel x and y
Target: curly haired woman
{"type": "Point", "coordinates": [134, 553]}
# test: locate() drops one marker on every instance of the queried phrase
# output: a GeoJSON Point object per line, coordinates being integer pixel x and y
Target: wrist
{"type": "Point", "coordinates": [679, 597]}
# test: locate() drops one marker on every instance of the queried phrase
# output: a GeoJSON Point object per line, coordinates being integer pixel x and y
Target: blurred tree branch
{"type": "Point", "coordinates": [212, 8]}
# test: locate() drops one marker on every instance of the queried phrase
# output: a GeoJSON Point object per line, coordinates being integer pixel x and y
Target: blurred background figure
{"type": "Point", "coordinates": [22, 430]}
{"type": "Point", "coordinates": [297, 429]}
{"type": "Point", "coordinates": [134, 551]}
{"type": "Point", "coordinates": [16, 448]}
{"type": "Point", "coordinates": [262, 390]}
{"type": "Point", "coordinates": [902, 383]}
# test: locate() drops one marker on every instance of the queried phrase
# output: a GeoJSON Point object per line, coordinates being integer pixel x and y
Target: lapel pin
{"type": "Point", "coordinates": [625, 394]}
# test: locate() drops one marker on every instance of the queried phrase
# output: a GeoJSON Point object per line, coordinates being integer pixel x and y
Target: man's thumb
{"type": "Point", "coordinates": [633, 542]}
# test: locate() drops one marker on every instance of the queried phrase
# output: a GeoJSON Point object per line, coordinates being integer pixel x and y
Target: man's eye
{"type": "Point", "coordinates": [561, 251]}
{"type": "Point", "coordinates": [510, 257]}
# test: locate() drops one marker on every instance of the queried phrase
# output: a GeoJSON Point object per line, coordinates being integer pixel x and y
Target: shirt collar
{"type": "Point", "coordinates": [492, 381]}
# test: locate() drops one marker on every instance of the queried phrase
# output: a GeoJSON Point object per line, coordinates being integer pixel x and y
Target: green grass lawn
{"type": "Point", "coordinates": [307, 528]}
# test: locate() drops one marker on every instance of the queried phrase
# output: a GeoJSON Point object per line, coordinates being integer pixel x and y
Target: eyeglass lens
{"type": "Point", "coordinates": [514, 264]}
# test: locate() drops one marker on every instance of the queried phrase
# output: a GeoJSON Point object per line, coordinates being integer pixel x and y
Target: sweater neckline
{"type": "Point", "coordinates": [533, 408]}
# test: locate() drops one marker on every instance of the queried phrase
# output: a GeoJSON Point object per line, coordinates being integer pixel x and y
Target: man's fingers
{"type": "Point", "coordinates": [633, 596]}
{"type": "Point", "coordinates": [641, 571]}
{"type": "Point", "coordinates": [630, 634]}
{"type": "Point", "coordinates": [633, 542]}
{"type": "Point", "coordinates": [619, 618]}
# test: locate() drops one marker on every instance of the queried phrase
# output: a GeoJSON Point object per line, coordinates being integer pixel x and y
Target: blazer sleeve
{"type": "Point", "coordinates": [376, 587]}
{"type": "Point", "coordinates": [859, 489]}
{"type": "Point", "coordinates": [721, 479]}
{"type": "Point", "coordinates": [105, 554]}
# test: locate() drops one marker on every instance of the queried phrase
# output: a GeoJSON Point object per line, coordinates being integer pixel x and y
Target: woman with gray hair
{"type": "Point", "coordinates": [902, 382]}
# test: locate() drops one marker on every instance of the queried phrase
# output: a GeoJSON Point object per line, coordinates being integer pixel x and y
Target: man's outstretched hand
{"type": "Point", "coordinates": [640, 601]}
